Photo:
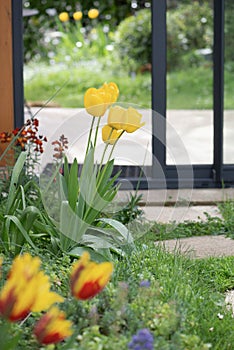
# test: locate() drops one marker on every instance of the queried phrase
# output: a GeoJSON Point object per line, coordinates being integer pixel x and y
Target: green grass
{"type": "Point", "coordinates": [187, 89]}
{"type": "Point", "coordinates": [181, 307]}
{"type": "Point", "coordinates": [44, 83]}
{"type": "Point", "coordinates": [227, 211]}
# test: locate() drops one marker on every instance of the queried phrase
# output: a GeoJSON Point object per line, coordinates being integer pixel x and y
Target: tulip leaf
{"type": "Point", "coordinates": [15, 220]}
{"type": "Point", "coordinates": [66, 170]}
{"type": "Point", "coordinates": [72, 185]}
{"type": "Point", "coordinates": [14, 180]}
{"type": "Point", "coordinates": [120, 228]}
{"type": "Point", "coordinates": [88, 178]}
{"type": "Point", "coordinates": [94, 255]}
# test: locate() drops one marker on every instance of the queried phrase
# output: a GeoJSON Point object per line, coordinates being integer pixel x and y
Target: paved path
{"type": "Point", "coordinates": [201, 247]}
{"type": "Point", "coordinates": [189, 135]}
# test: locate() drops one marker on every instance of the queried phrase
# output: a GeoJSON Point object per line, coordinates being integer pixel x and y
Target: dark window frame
{"type": "Point", "coordinates": [210, 175]}
{"type": "Point", "coordinates": [17, 49]}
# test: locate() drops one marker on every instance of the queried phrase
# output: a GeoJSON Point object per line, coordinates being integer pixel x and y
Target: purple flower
{"type": "Point", "coordinates": [143, 340]}
{"type": "Point", "coordinates": [145, 283]}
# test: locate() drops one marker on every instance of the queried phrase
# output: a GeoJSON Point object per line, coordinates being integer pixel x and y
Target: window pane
{"type": "Point", "coordinates": [189, 81]}
{"type": "Point", "coordinates": [229, 83]}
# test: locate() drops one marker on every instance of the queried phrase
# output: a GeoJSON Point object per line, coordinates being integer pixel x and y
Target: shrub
{"type": "Point", "coordinates": [133, 40]}
{"type": "Point", "coordinates": [189, 28]}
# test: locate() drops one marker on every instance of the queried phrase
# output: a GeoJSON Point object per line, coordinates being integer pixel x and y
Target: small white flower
{"type": "Point", "coordinates": [220, 316]}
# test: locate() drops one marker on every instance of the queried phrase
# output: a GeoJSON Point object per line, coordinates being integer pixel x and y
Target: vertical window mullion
{"type": "Point", "coordinates": [158, 84]}
{"type": "Point", "coordinates": [218, 87]}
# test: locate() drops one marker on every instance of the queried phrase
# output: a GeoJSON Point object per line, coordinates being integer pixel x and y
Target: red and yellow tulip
{"type": "Point", "coordinates": [26, 289]}
{"type": "Point", "coordinates": [52, 327]}
{"type": "Point", "coordinates": [89, 278]}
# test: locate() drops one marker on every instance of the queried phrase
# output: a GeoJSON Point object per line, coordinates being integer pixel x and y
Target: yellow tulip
{"type": "Point", "coordinates": [93, 13]}
{"type": "Point", "coordinates": [26, 289]}
{"type": "Point", "coordinates": [64, 17]}
{"type": "Point", "coordinates": [111, 91]}
{"type": "Point", "coordinates": [133, 120]}
{"type": "Point", "coordinates": [77, 15]}
{"type": "Point", "coordinates": [96, 101]}
{"type": "Point", "coordinates": [116, 117]}
{"type": "Point", "coordinates": [52, 327]}
{"type": "Point", "coordinates": [89, 278]}
{"type": "Point", "coordinates": [128, 120]}
{"type": "Point", "coordinates": [110, 135]}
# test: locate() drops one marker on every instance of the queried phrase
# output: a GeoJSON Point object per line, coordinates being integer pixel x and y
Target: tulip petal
{"type": "Point", "coordinates": [90, 279]}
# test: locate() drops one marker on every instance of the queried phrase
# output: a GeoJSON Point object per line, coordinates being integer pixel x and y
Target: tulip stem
{"type": "Point", "coordinates": [104, 152]}
{"type": "Point", "coordinates": [96, 132]}
{"type": "Point", "coordinates": [103, 155]}
{"type": "Point", "coordinates": [90, 134]}
{"type": "Point", "coordinates": [111, 152]}
{"type": "Point", "coordinates": [101, 177]}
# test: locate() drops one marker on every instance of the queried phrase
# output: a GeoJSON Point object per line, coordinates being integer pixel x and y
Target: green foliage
{"type": "Point", "coordinates": [131, 210]}
{"type": "Point", "coordinates": [81, 203]}
{"type": "Point", "coordinates": [18, 216]}
{"type": "Point", "coordinates": [36, 28]}
{"type": "Point", "coordinates": [189, 28]}
{"type": "Point", "coordinates": [180, 306]}
{"type": "Point", "coordinates": [42, 81]}
{"type": "Point", "coordinates": [210, 226]}
{"type": "Point", "coordinates": [133, 40]}
{"type": "Point", "coordinates": [227, 211]}
{"type": "Point", "coordinates": [229, 31]}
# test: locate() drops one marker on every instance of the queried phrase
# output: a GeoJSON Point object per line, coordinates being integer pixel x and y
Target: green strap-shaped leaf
{"type": "Point", "coordinates": [14, 179]}
{"type": "Point", "coordinates": [120, 228]}
{"type": "Point", "coordinates": [73, 186]}
{"type": "Point", "coordinates": [15, 220]}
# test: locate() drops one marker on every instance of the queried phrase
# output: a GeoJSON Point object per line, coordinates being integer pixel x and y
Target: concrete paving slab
{"type": "Point", "coordinates": [179, 214]}
{"type": "Point", "coordinates": [183, 196]}
{"type": "Point", "coordinates": [189, 135]}
{"type": "Point", "coordinates": [200, 247]}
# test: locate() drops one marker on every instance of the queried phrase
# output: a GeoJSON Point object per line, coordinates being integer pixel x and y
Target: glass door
{"type": "Point", "coordinates": [189, 143]}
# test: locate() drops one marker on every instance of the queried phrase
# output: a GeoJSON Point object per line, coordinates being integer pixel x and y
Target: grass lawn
{"type": "Point", "coordinates": [180, 301]}
{"type": "Point", "coordinates": [188, 89]}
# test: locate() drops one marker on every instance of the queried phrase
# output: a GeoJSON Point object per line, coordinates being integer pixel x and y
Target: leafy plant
{"type": "Point", "coordinates": [18, 217]}
{"type": "Point", "coordinates": [131, 210]}
{"type": "Point", "coordinates": [133, 40]}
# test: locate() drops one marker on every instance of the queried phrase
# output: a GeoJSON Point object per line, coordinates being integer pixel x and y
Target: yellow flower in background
{"type": "Point", "coordinates": [77, 15]}
{"type": "Point", "coordinates": [128, 120]}
{"type": "Point", "coordinates": [96, 101]}
{"type": "Point", "coordinates": [93, 13]}
{"type": "Point", "coordinates": [52, 327]}
{"type": "Point", "coordinates": [110, 135]}
{"type": "Point", "coordinates": [89, 278]}
{"type": "Point", "coordinates": [26, 289]}
{"type": "Point", "coordinates": [64, 17]}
